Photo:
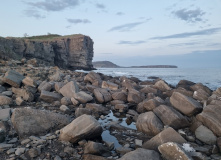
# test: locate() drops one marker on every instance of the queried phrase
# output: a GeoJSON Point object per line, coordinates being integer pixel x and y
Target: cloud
{"type": "Point", "coordinates": [100, 6]}
{"type": "Point", "coordinates": [190, 34]}
{"type": "Point", "coordinates": [119, 13]}
{"type": "Point", "coordinates": [125, 27]}
{"type": "Point", "coordinates": [77, 21]}
{"type": "Point", "coordinates": [131, 42]}
{"type": "Point", "coordinates": [190, 16]}
{"type": "Point", "coordinates": [33, 13]}
{"type": "Point", "coordinates": [54, 5]}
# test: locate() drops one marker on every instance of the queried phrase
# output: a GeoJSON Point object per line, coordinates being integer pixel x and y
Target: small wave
{"type": "Point", "coordinates": [120, 73]}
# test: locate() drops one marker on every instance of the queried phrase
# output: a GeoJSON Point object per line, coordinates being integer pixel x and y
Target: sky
{"type": "Point", "coordinates": [126, 32]}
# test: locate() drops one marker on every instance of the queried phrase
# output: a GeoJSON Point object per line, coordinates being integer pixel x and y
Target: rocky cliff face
{"type": "Point", "coordinates": [72, 52]}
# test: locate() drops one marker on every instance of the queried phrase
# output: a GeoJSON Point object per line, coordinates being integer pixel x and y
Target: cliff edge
{"type": "Point", "coordinates": [71, 52]}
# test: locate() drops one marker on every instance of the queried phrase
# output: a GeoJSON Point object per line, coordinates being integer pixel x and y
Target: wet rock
{"type": "Point", "coordinates": [149, 124]}
{"type": "Point", "coordinates": [171, 117]}
{"type": "Point", "coordinates": [83, 97]}
{"type": "Point", "coordinates": [205, 135]}
{"type": "Point", "coordinates": [134, 96]}
{"type": "Point", "coordinates": [82, 127]}
{"type": "Point", "coordinates": [29, 82]}
{"type": "Point", "coordinates": [97, 108]}
{"type": "Point", "coordinates": [29, 121]}
{"type": "Point", "coordinates": [167, 135]}
{"type": "Point", "coordinates": [50, 96]}
{"type": "Point", "coordinates": [210, 117]}
{"type": "Point", "coordinates": [81, 111]}
{"type": "Point", "coordinates": [4, 146]}
{"type": "Point", "coordinates": [162, 85]}
{"type": "Point", "coordinates": [46, 86]}
{"type": "Point", "coordinates": [121, 107]}
{"type": "Point", "coordinates": [93, 78]}
{"type": "Point", "coordinates": [13, 78]}
{"type": "Point", "coordinates": [110, 85]}
{"type": "Point", "coordinates": [141, 154]}
{"type": "Point", "coordinates": [4, 100]}
{"type": "Point", "coordinates": [173, 151]}
{"type": "Point", "coordinates": [69, 89]}
{"type": "Point", "coordinates": [200, 95]}
{"type": "Point", "coordinates": [184, 104]}
{"type": "Point", "coordinates": [95, 148]}
{"type": "Point", "coordinates": [2, 135]}
{"type": "Point", "coordinates": [122, 96]}
{"type": "Point", "coordinates": [5, 114]}
{"type": "Point", "coordinates": [102, 95]}
{"type": "Point", "coordinates": [149, 89]}
{"type": "Point", "coordinates": [185, 84]}
{"type": "Point", "coordinates": [26, 95]}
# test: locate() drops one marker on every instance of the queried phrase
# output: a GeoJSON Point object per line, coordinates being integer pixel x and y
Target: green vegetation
{"type": "Point", "coordinates": [43, 37]}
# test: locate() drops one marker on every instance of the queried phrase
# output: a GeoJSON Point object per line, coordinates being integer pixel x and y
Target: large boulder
{"type": "Point", "coordinates": [97, 108]}
{"type": "Point", "coordinates": [110, 85]}
{"type": "Point", "coordinates": [122, 96]}
{"type": "Point", "coordinates": [148, 89]}
{"type": "Point", "coordinates": [83, 97]}
{"type": "Point", "coordinates": [29, 121]}
{"type": "Point", "coordinates": [210, 117]}
{"type": "Point", "coordinates": [93, 78]}
{"type": "Point", "coordinates": [149, 124]}
{"type": "Point", "coordinates": [167, 135]}
{"type": "Point", "coordinates": [46, 86]}
{"type": "Point", "coordinates": [102, 95]}
{"type": "Point", "coordinates": [95, 148]}
{"type": "Point", "coordinates": [184, 104]}
{"type": "Point", "coordinates": [171, 117]}
{"type": "Point", "coordinates": [134, 96]}
{"type": "Point", "coordinates": [4, 100]}
{"type": "Point", "coordinates": [201, 95]}
{"type": "Point", "coordinates": [83, 127]}
{"type": "Point", "coordinates": [198, 86]}
{"type": "Point", "coordinates": [162, 86]}
{"type": "Point", "coordinates": [50, 96]}
{"type": "Point", "coordinates": [150, 104]}
{"type": "Point", "coordinates": [69, 89]}
{"type": "Point", "coordinates": [141, 154]}
{"type": "Point", "coordinates": [13, 78]}
{"type": "Point", "coordinates": [205, 135]}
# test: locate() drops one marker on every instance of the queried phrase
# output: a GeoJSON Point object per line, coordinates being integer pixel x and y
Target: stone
{"type": "Point", "coordinates": [123, 150]}
{"type": "Point", "coordinates": [102, 95]}
{"type": "Point", "coordinates": [57, 77]}
{"type": "Point", "coordinates": [58, 85]}
{"type": "Point", "coordinates": [219, 143]}
{"type": "Point", "coordinates": [148, 89]}
{"type": "Point", "coordinates": [69, 89]}
{"type": "Point", "coordinates": [50, 96]}
{"type": "Point", "coordinates": [7, 93]}
{"type": "Point", "coordinates": [19, 151]}
{"type": "Point", "coordinates": [201, 95]}
{"type": "Point", "coordinates": [205, 135]}
{"type": "Point", "coordinates": [121, 107]}
{"type": "Point", "coordinates": [171, 117]}
{"type": "Point", "coordinates": [5, 114]}
{"type": "Point", "coordinates": [26, 95]}
{"type": "Point", "coordinates": [2, 135]}
{"type": "Point", "coordinates": [114, 102]}
{"type": "Point", "coordinates": [138, 142]}
{"type": "Point", "coordinates": [167, 135]}
{"type": "Point", "coordinates": [93, 157]}
{"type": "Point", "coordinates": [122, 96]}
{"type": "Point", "coordinates": [198, 86]}
{"type": "Point", "coordinates": [149, 105]}
{"type": "Point", "coordinates": [81, 111]}
{"type": "Point", "coordinates": [82, 127]}
{"type": "Point", "coordinates": [173, 151]}
{"type": "Point", "coordinates": [93, 78]}
{"type": "Point", "coordinates": [19, 101]}
{"type": "Point", "coordinates": [2, 89]}
{"type": "Point", "coordinates": [110, 85]}
{"type": "Point", "coordinates": [140, 107]}
{"type": "Point", "coordinates": [95, 148]}
{"type": "Point", "coordinates": [28, 81]}
{"type": "Point", "coordinates": [162, 86]}
{"type": "Point", "coordinates": [74, 101]}
{"type": "Point", "coordinates": [184, 104]}
{"type": "Point", "coordinates": [141, 154]}
{"type": "Point", "coordinates": [97, 108]}
{"type": "Point", "coordinates": [33, 152]}
{"type": "Point", "coordinates": [134, 96]}
{"type": "Point", "coordinates": [46, 86]}
{"type": "Point", "coordinates": [210, 117]}
{"type": "Point", "coordinates": [66, 101]}
{"type": "Point", "coordinates": [13, 78]}
{"type": "Point", "coordinates": [65, 109]}
{"type": "Point", "coordinates": [4, 100]}
{"type": "Point", "coordinates": [149, 124]}
{"type": "Point", "coordinates": [29, 121]}
{"type": "Point", "coordinates": [83, 97]}
{"type": "Point", "coordinates": [4, 146]}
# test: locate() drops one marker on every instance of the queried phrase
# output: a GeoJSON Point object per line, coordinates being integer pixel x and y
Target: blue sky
{"type": "Point", "coordinates": [124, 31]}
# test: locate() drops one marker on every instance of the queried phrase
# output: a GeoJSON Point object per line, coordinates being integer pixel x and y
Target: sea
{"type": "Point", "coordinates": [211, 77]}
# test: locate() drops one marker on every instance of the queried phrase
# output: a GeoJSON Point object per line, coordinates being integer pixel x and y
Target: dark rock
{"type": "Point", "coordinates": [4, 100]}
{"type": "Point", "coordinates": [26, 95]}
{"type": "Point", "coordinates": [93, 157]}
{"type": "Point", "coordinates": [50, 96]}
{"type": "Point", "coordinates": [95, 148]}
{"type": "Point", "coordinates": [149, 105]}
{"type": "Point", "coordinates": [81, 111]}
{"type": "Point", "coordinates": [122, 96]}
{"type": "Point", "coordinates": [134, 96]}
{"type": "Point", "coordinates": [205, 135]}
{"type": "Point", "coordinates": [97, 108]}
{"type": "Point", "coordinates": [5, 114]}
{"type": "Point", "coordinates": [13, 78]}
{"type": "Point", "coordinates": [46, 86]}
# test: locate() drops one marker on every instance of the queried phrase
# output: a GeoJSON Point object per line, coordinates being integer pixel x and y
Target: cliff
{"type": "Point", "coordinates": [72, 52]}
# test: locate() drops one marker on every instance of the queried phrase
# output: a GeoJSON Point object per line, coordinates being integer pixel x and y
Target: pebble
{"type": "Point", "coordinates": [19, 151]}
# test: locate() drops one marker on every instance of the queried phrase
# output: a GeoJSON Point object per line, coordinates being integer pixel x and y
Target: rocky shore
{"type": "Point", "coordinates": [48, 113]}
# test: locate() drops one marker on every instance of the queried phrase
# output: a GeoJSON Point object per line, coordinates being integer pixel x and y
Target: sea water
{"type": "Point", "coordinates": [210, 77]}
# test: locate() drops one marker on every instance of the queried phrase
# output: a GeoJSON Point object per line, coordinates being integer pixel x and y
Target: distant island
{"type": "Point", "coordinates": [108, 64]}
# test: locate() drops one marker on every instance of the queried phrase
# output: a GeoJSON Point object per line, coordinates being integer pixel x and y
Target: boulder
{"type": "Point", "coordinates": [97, 108]}
{"type": "Point", "coordinates": [122, 96]}
{"type": "Point", "coordinates": [26, 95]}
{"type": "Point", "coordinates": [57, 77]}
{"type": "Point", "coordinates": [205, 135]}
{"type": "Point", "coordinates": [110, 85]}
{"type": "Point", "coordinates": [69, 89]}
{"type": "Point", "coordinates": [83, 127]}
{"type": "Point", "coordinates": [149, 124]}
{"type": "Point", "coordinates": [198, 86]}
{"type": "Point", "coordinates": [102, 95]}
{"type": "Point", "coordinates": [58, 86]}
{"type": "Point", "coordinates": [93, 157]}
{"type": "Point", "coordinates": [74, 101]}
{"type": "Point", "coordinates": [95, 148]}
{"type": "Point", "coordinates": [162, 86]}
{"type": "Point", "coordinates": [171, 117]}
{"type": "Point", "coordinates": [167, 135]}
{"type": "Point", "coordinates": [46, 86]}
{"type": "Point", "coordinates": [50, 96]}
{"type": "Point", "coordinates": [184, 104]}
{"type": "Point", "coordinates": [93, 78]}
{"type": "Point", "coordinates": [29, 121]}
{"type": "Point", "coordinates": [134, 96]}
{"type": "Point", "coordinates": [173, 151]}
{"type": "Point", "coordinates": [121, 107]}
{"type": "Point", "coordinates": [19, 101]}
{"type": "Point", "coordinates": [28, 81]}
{"type": "Point", "coordinates": [4, 100]}
{"type": "Point", "coordinates": [81, 111]}
{"type": "Point", "coordinates": [201, 95]}
{"type": "Point", "coordinates": [114, 102]}
{"type": "Point", "coordinates": [148, 89]}
{"type": "Point", "coordinates": [5, 114]}
{"type": "Point", "coordinates": [149, 105]}
{"type": "Point", "coordinates": [83, 97]}
{"type": "Point", "coordinates": [66, 101]}
{"type": "Point", "coordinates": [210, 117]}
{"type": "Point", "coordinates": [141, 154]}
{"type": "Point", "coordinates": [140, 107]}
{"type": "Point", "coordinates": [13, 78]}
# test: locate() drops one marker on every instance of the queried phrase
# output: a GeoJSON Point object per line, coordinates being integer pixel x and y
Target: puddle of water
{"type": "Point", "coordinates": [106, 136]}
